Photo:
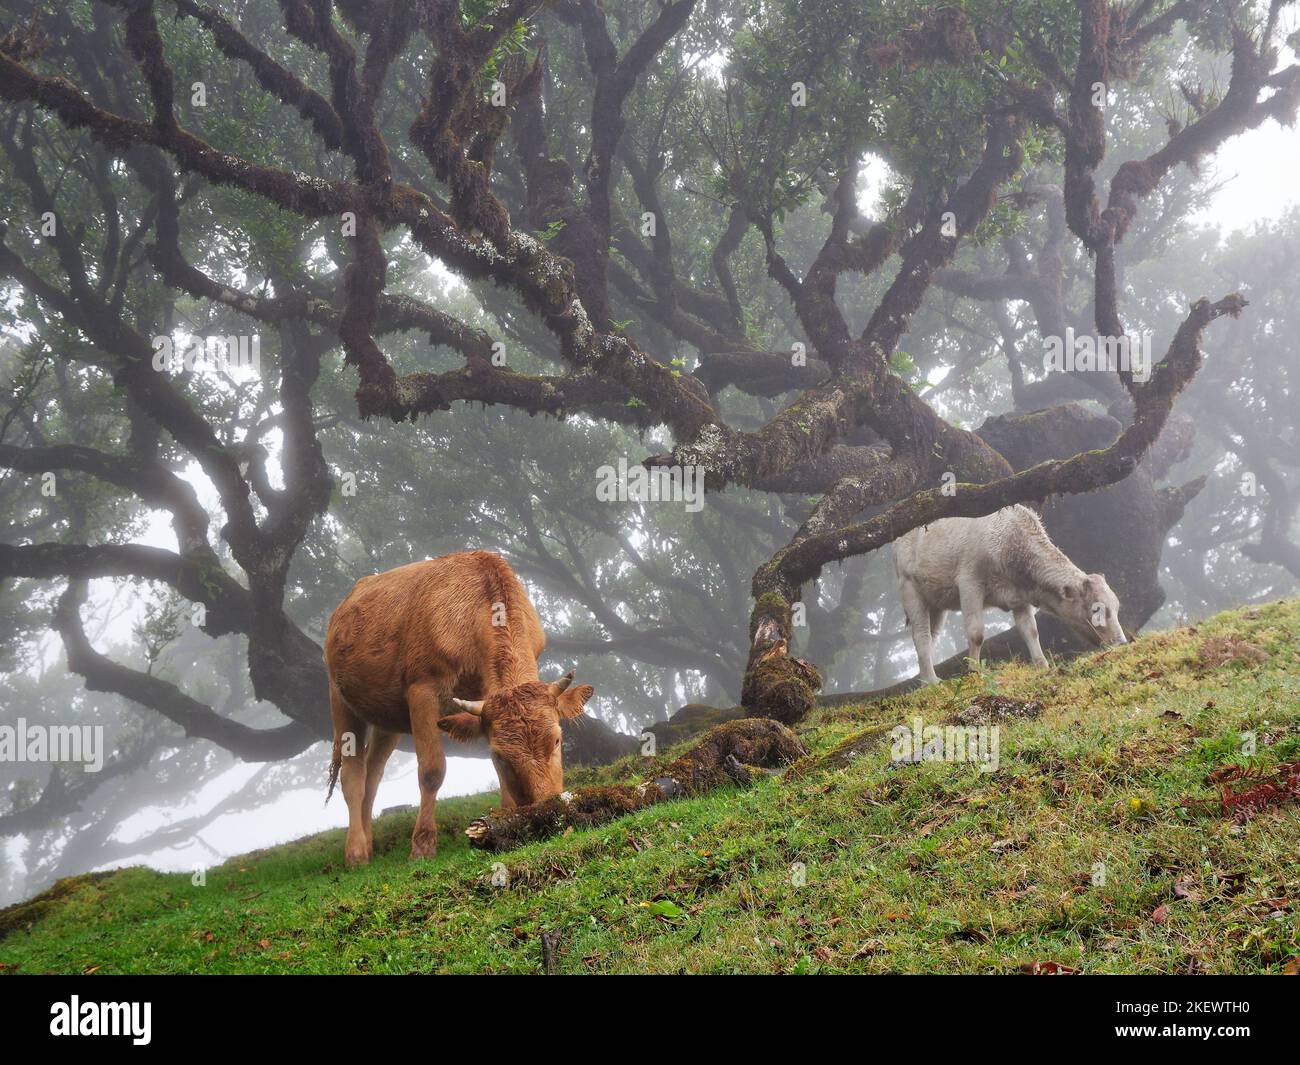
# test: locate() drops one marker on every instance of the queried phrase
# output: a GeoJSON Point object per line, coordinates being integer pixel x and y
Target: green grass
{"type": "Point", "coordinates": [929, 868]}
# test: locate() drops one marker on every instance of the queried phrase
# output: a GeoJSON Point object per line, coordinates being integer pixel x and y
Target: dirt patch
{"type": "Point", "coordinates": [987, 708]}
{"type": "Point", "coordinates": [1220, 651]}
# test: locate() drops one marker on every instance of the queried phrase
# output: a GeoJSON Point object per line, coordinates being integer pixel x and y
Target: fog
{"type": "Point", "coordinates": [171, 553]}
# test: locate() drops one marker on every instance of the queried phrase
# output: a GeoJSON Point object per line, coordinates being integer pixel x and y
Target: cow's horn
{"type": "Point", "coordinates": [468, 707]}
{"type": "Point", "coordinates": [562, 683]}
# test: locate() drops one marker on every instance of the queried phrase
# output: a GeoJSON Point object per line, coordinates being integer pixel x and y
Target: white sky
{"type": "Point", "coordinates": [1261, 169]}
{"type": "Point", "coordinates": [292, 815]}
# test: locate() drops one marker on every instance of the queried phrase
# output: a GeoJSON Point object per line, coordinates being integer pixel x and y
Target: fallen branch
{"type": "Point", "coordinates": [1282, 787]}
{"type": "Point", "coordinates": [734, 753]}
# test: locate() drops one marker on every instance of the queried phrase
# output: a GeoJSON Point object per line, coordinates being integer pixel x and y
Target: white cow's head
{"type": "Point", "coordinates": [1091, 609]}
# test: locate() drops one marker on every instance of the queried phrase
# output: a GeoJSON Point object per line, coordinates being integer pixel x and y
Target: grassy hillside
{"type": "Point", "coordinates": [912, 868]}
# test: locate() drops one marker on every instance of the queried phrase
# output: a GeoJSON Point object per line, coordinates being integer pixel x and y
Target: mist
{"type": "Point", "coordinates": [693, 285]}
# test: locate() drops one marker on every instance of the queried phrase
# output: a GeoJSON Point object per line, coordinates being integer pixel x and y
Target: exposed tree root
{"type": "Point", "coordinates": [736, 752]}
{"type": "Point", "coordinates": [983, 708]}
{"type": "Point", "coordinates": [844, 754]}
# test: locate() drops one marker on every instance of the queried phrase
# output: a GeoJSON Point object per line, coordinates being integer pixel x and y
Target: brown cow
{"type": "Point", "coordinates": [401, 645]}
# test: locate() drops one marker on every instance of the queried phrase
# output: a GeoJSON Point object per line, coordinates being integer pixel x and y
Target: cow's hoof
{"type": "Point", "coordinates": [424, 846]}
{"type": "Point", "coordinates": [355, 858]}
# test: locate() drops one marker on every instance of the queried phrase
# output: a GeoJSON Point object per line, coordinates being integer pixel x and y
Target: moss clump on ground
{"type": "Point", "coordinates": [24, 915]}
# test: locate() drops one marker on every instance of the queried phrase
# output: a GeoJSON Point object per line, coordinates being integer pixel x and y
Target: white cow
{"type": "Point", "coordinates": [1005, 560]}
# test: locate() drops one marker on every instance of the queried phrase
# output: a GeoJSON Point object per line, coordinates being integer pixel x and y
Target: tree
{"type": "Point", "coordinates": [291, 171]}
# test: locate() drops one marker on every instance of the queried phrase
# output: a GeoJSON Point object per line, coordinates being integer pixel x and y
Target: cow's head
{"type": "Point", "coordinates": [1091, 609]}
{"type": "Point", "coordinates": [522, 728]}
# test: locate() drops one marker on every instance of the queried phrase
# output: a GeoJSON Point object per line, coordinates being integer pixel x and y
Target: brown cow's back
{"type": "Point", "coordinates": [432, 621]}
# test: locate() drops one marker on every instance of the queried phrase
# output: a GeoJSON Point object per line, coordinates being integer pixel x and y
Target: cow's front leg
{"type": "Point", "coordinates": [1028, 627]}
{"type": "Point", "coordinates": [972, 616]}
{"type": "Point", "coordinates": [425, 703]}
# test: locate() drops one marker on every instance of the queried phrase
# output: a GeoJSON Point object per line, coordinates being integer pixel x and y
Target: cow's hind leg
{"type": "Point", "coordinates": [937, 614]}
{"type": "Point", "coordinates": [425, 703]}
{"type": "Point", "coordinates": [378, 750]}
{"type": "Point", "coordinates": [918, 618]}
{"type": "Point", "coordinates": [350, 751]}
{"type": "Point", "coordinates": [972, 616]}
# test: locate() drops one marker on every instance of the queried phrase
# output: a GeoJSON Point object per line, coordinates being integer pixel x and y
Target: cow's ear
{"type": "Point", "coordinates": [1068, 591]}
{"type": "Point", "coordinates": [462, 727]}
{"type": "Point", "coordinates": [573, 701]}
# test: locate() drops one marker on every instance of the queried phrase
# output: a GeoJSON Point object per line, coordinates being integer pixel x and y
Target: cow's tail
{"type": "Point", "coordinates": [336, 760]}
